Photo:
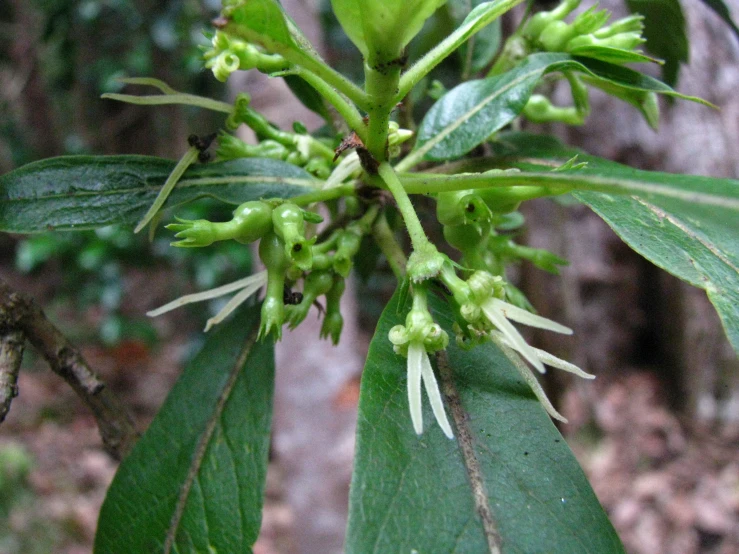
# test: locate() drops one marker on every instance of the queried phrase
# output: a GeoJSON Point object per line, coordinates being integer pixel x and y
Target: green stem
{"type": "Point", "coordinates": [385, 239]}
{"type": "Point", "coordinates": [323, 195]}
{"type": "Point", "coordinates": [531, 185]}
{"type": "Point", "coordinates": [346, 109]}
{"type": "Point", "coordinates": [381, 87]}
{"type": "Point", "coordinates": [442, 50]}
{"type": "Point", "coordinates": [328, 75]}
{"type": "Point", "coordinates": [419, 240]}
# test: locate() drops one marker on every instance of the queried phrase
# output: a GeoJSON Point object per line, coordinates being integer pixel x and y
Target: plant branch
{"type": "Point", "coordinates": [385, 239]}
{"type": "Point", "coordinates": [346, 109]}
{"type": "Point", "coordinates": [12, 343]}
{"type": "Point", "coordinates": [419, 240]}
{"type": "Point", "coordinates": [19, 313]}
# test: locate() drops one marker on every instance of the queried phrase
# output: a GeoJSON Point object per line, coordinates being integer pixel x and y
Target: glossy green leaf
{"type": "Point", "coordinates": [468, 114]}
{"type": "Point", "coordinates": [685, 224]}
{"type": "Point", "coordinates": [381, 29]}
{"type": "Point", "coordinates": [426, 493]}
{"type": "Point", "coordinates": [195, 481]}
{"type": "Point", "coordinates": [480, 49]}
{"type": "Point", "coordinates": [665, 31]}
{"type": "Point", "coordinates": [723, 12]}
{"type": "Point", "coordinates": [260, 21]}
{"type": "Point", "coordinates": [83, 192]}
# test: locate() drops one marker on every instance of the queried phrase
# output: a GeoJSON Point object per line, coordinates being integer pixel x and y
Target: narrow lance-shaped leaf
{"type": "Point", "coordinates": [468, 114]}
{"type": "Point", "coordinates": [507, 480]}
{"type": "Point", "coordinates": [83, 192]}
{"type": "Point", "coordinates": [687, 225]}
{"type": "Point", "coordinates": [195, 481]}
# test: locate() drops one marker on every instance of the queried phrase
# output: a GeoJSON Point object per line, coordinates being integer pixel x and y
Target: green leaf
{"type": "Point", "coordinates": [468, 114]}
{"type": "Point", "coordinates": [195, 481]}
{"type": "Point", "coordinates": [664, 29]}
{"type": "Point", "coordinates": [262, 22]}
{"type": "Point", "coordinates": [308, 96]}
{"type": "Point", "coordinates": [507, 472]}
{"type": "Point", "coordinates": [723, 12]}
{"type": "Point", "coordinates": [481, 48]}
{"type": "Point", "coordinates": [685, 224]}
{"type": "Point", "coordinates": [83, 192]}
{"type": "Point", "coordinates": [612, 55]}
{"type": "Point", "coordinates": [381, 29]}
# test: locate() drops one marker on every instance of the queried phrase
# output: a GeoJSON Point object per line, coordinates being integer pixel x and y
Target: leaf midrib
{"type": "Point", "coordinates": [203, 443]}
{"type": "Point", "coordinates": [185, 183]}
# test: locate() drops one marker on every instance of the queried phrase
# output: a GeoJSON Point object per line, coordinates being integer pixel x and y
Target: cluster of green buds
{"type": "Point", "coordinates": [482, 314]}
{"type": "Point", "coordinates": [587, 34]}
{"type": "Point", "coordinates": [470, 219]}
{"type": "Point", "coordinates": [548, 31]}
{"type": "Point", "coordinates": [298, 148]}
{"type": "Point", "coordinates": [228, 54]}
{"type": "Point", "coordinates": [290, 255]}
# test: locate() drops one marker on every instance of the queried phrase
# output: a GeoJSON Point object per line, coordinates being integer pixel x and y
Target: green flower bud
{"type": "Point", "coordinates": [333, 322]}
{"type": "Point", "coordinates": [347, 246]}
{"type": "Point", "coordinates": [539, 109]}
{"type": "Point", "coordinates": [632, 24]}
{"type": "Point", "coordinates": [289, 225]}
{"type": "Point", "coordinates": [466, 238]}
{"type": "Point", "coordinates": [483, 285]}
{"type": "Point", "coordinates": [436, 338]}
{"type": "Point", "coordinates": [272, 254]}
{"type": "Point", "coordinates": [317, 283]}
{"type": "Point", "coordinates": [251, 221]}
{"type": "Point", "coordinates": [555, 36]}
{"type": "Point", "coordinates": [590, 20]}
{"type": "Point", "coordinates": [461, 207]}
{"type": "Point", "coordinates": [540, 20]}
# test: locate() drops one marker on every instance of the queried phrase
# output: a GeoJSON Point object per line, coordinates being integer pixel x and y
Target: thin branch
{"type": "Point", "coordinates": [19, 313]}
{"type": "Point", "coordinates": [11, 354]}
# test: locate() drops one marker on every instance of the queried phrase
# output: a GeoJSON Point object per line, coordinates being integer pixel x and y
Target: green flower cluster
{"type": "Point", "coordinates": [290, 255]}
{"type": "Point", "coordinates": [547, 30]}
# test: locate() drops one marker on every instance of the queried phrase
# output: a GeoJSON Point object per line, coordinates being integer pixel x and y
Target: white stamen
{"type": "Point", "coordinates": [527, 318]}
{"type": "Point", "coordinates": [232, 304]}
{"type": "Point", "coordinates": [530, 379]}
{"type": "Point", "coordinates": [260, 277]}
{"type": "Point", "coordinates": [518, 343]}
{"type": "Point", "coordinates": [416, 352]}
{"type": "Point", "coordinates": [432, 390]}
{"type": "Point", "coordinates": [559, 363]}
{"type": "Point", "coordinates": [550, 359]}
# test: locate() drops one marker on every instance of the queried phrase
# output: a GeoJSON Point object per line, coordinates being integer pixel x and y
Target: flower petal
{"type": "Point", "coordinates": [517, 342]}
{"type": "Point", "coordinates": [530, 379]}
{"type": "Point", "coordinates": [559, 363]}
{"type": "Point", "coordinates": [232, 304]}
{"type": "Point", "coordinates": [432, 390]}
{"type": "Point", "coordinates": [260, 277]}
{"type": "Point", "coordinates": [416, 352]}
{"type": "Point", "coordinates": [520, 315]}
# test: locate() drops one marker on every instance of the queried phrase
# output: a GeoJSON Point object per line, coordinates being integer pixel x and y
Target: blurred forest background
{"type": "Point", "coordinates": [657, 432]}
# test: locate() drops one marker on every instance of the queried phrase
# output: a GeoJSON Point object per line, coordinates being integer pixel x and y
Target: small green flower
{"type": "Point", "coordinates": [419, 336]}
